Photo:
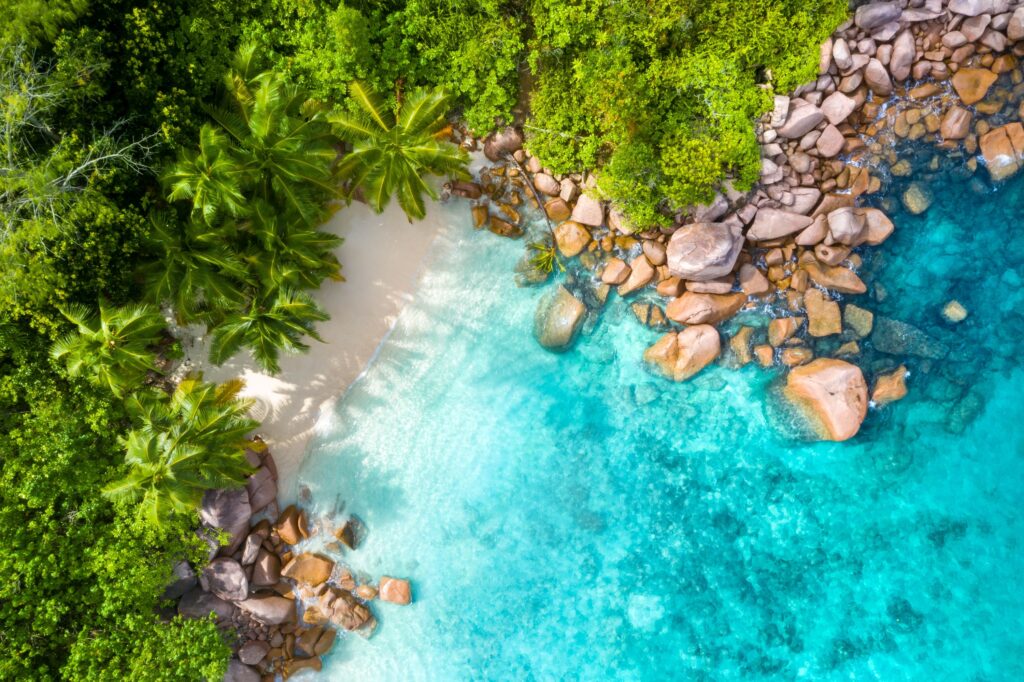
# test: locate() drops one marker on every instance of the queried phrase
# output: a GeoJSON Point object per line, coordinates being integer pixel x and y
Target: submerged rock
{"type": "Point", "coordinates": [1003, 150]}
{"type": "Point", "coordinates": [954, 312]}
{"type": "Point", "coordinates": [832, 395]}
{"type": "Point", "coordinates": [899, 338]}
{"type": "Point", "coordinates": [558, 318]}
{"type": "Point", "coordinates": [890, 387]}
{"type": "Point", "coordinates": [972, 84]}
{"type": "Point", "coordinates": [916, 198]}
{"type": "Point", "coordinates": [681, 356]}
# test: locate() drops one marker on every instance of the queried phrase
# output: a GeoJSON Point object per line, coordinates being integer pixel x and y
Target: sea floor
{"type": "Point", "coordinates": [575, 517]}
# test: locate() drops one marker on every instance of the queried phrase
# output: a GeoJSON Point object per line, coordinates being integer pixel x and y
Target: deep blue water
{"type": "Point", "coordinates": [574, 517]}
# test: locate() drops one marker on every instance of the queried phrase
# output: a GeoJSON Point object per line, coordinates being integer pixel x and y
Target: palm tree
{"type": "Point", "coordinates": [274, 322]}
{"type": "Point", "coordinates": [288, 253]}
{"type": "Point", "coordinates": [286, 146]}
{"type": "Point", "coordinates": [197, 271]}
{"type": "Point", "coordinates": [111, 349]}
{"type": "Point", "coordinates": [183, 445]}
{"type": "Point", "coordinates": [391, 154]}
{"type": "Point", "coordinates": [211, 177]}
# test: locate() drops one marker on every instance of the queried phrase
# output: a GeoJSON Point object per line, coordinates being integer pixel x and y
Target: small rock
{"type": "Point", "coordinates": [972, 84]}
{"type": "Point", "coordinates": [916, 198]}
{"type": "Point", "coordinates": [395, 590]}
{"type": "Point", "coordinates": [890, 387]}
{"type": "Point", "coordinates": [954, 312]}
{"type": "Point", "coordinates": [823, 317]}
{"type": "Point", "coordinates": [860, 320]}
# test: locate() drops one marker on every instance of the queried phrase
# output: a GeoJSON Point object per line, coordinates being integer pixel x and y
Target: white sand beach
{"type": "Point", "coordinates": [382, 259]}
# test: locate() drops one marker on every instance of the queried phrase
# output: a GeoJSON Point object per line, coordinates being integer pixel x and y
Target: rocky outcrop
{"type": "Point", "coordinates": [832, 394]}
{"type": "Point", "coordinates": [558, 319]}
{"type": "Point", "coordinates": [703, 251]}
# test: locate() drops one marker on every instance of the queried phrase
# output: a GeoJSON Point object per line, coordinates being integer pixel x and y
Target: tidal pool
{"type": "Point", "coordinates": [575, 517]}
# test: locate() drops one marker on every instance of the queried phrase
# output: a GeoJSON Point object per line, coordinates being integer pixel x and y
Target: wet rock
{"type": "Point", "coordinates": [823, 317]}
{"type": "Point", "coordinates": [229, 510]}
{"type": "Point", "coordinates": [752, 281]}
{"type": "Point", "coordinates": [503, 228]}
{"type": "Point", "coordinates": [559, 316]}
{"type": "Point", "coordinates": [694, 308]}
{"type": "Point", "coordinates": [859, 320]}
{"type": "Point", "coordinates": [270, 609]}
{"type": "Point", "coordinates": [588, 211]}
{"type": "Point", "coordinates": [899, 338]}
{"type": "Point", "coordinates": [954, 312]}
{"type": "Point", "coordinates": [557, 209]}
{"type": "Point", "coordinates": [226, 579]}
{"type": "Point", "coordinates": [972, 84]}
{"type": "Point", "coordinates": [641, 272]}
{"type": "Point", "coordinates": [890, 387]}
{"type": "Point", "coordinates": [311, 569]}
{"type": "Point", "coordinates": [571, 238]}
{"type": "Point", "coordinates": [781, 329]}
{"type": "Point", "coordinates": [290, 524]}
{"type": "Point", "coordinates": [615, 272]}
{"type": "Point", "coordinates": [956, 124]}
{"type": "Point", "coordinates": [773, 223]}
{"type": "Point", "coordinates": [394, 590]}
{"type": "Point", "coordinates": [916, 199]}
{"type": "Point", "coordinates": [740, 345]}
{"type": "Point", "coordinates": [840, 279]}
{"type": "Point", "coordinates": [796, 355]}
{"type": "Point", "coordinates": [1003, 150]}
{"type": "Point", "coordinates": [704, 251]}
{"type": "Point", "coordinates": [681, 356]}
{"type": "Point", "coordinates": [832, 394]}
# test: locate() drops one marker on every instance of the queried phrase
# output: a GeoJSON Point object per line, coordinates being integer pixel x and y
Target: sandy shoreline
{"type": "Point", "coordinates": [382, 258]}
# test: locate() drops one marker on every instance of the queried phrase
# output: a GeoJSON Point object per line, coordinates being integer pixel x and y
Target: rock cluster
{"type": "Point", "coordinates": [284, 604]}
{"type": "Point", "coordinates": [897, 70]}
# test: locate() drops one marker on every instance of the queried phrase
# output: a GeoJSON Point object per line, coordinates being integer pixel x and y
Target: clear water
{"type": "Point", "coordinates": [574, 517]}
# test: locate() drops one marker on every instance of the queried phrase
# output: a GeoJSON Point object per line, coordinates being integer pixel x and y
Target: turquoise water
{"type": "Point", "coordinates": [574, 517]}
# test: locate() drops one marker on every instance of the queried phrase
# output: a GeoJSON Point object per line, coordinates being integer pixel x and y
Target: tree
{"type": "Point", "coordinates": [183, 445]}
{"type": "Point", "coordinates": [288, 253]}
{"type": "Point", "coordinates": [198, 272]}
{"type": "Point", "coordinates": [273, 322]}
{"type": "Point", "coordinates": [113, 348]}
{"type": "Point", "coordinates": [210, 177]}
{"type": "Point", "coordinates": [391, 153]}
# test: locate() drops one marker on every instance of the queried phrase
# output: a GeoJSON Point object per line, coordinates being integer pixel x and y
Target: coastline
{"type": "Point", "coordinates": [383, 258]}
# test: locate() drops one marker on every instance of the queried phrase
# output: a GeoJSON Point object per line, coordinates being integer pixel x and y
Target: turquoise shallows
{"type": "Point", "coordinates": [571, 516]}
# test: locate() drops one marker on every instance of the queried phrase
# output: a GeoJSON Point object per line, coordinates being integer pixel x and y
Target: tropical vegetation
{"type": "Point", "coordinates": [171, 165]}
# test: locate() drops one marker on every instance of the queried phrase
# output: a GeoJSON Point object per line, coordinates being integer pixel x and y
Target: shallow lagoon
{"type": "Point", "coordinates": [574, 517]}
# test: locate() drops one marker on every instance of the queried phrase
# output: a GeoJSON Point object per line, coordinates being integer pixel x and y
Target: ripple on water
{"type": "Point", "coordinates": [574, 517]}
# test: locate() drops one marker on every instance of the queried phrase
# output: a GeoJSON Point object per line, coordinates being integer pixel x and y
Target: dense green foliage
{"type": "Point", "coordinates": [391, 152]}
{"type": "Point", "coordinates": [661, 96]}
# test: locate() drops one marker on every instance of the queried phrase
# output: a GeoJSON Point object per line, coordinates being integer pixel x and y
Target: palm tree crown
{"type": "Point", "coordinates": [391, 154]}
{"type": "Point", "coordinates": [112, 348]}
{"type": "Point", "coordinates": [183, 445]}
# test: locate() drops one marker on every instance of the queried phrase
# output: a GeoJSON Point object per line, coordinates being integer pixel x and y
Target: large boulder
{"type": "Point", "coordinates": [498, 144]}
{"type": "Point", "coordinates": [229, 510]}
{"type": "Point", "coordinates": [1003, 150]}
{"type": "Point", "coordinates": [877, 14]}
{"type": "Point", "coordinates": [270, 609]}
{"type": "Point", "coordinates": [833, 396]}
{"type": "Point", "coordinates": [310, 569]}
{"type": "Point", "coordinates": [774, 223]}
{"type": "Point", "coordinates": [571, 238]}
{"type": "Point", "coordinates": [266, 570]}
{"type": "Point", "coordinates": [703, 251]}
{"type": "Point", "coordinates": [696, 308]}
{"type": "Point", "coordinates": [878, 79]}
{"type": "Point", "coordinates": [558, 318]}
{"type": "Point", "coordinates": [847, 226]}
{"type": "Point", "coordinates": [972, 84]}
